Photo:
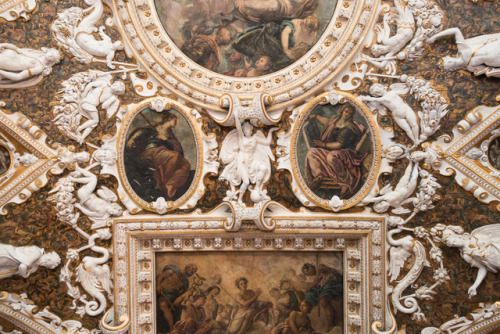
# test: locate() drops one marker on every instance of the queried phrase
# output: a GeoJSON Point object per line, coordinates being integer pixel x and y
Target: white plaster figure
{"type": "Point", "coordinates": [75, 33]}
{"type": "Point", "coordinates": [80, 97]}
{"type": "Point", "coordinates": [402, 113]}
{"type": "Point", "coordinates": [398, 196]}
{"type": "Point", "coordinates": [247, 158]}
{"type": "Point", "coordinates": [98, 207]}
{"type": "Point", "coordinates": [479, 54]}
{"type": "Point", "coordinates": [23, 67]}
{"type": "Point", "coordinates": [24, 261]}
{"type": "Point", "coordinates": [480, 249]}
{"type": "Point", "coordinates": [389, 46]}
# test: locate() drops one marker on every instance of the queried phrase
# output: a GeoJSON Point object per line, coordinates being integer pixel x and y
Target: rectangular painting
{"type": "Point", "coordinates": [249, 293]}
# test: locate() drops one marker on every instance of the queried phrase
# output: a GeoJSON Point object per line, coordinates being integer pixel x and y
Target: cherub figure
{"type": "Point", "coordinates": [480, 249]}
{"type": "Point", "coordinates": [81, 95]}
{"type": "Point", "coordinates": [74, 32]}
{"type": "Point", "coordinates": [403, 114]}
{"type": "Point", "coordinates": [389, 47]}
{"type": "Point", "coordinates": [398, 196]}
{"type": "Point", "coordinates": [23, 67]}
{"type": "Point", "coordinates": [477, 54]}
{"type": "Point", "coordinates": [98, 207]}
{"type": "Point", "coordinates": [247, 158]}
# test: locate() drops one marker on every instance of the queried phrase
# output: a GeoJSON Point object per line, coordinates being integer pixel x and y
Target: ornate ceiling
{"type": "Point", "coordinates": [237, 166]}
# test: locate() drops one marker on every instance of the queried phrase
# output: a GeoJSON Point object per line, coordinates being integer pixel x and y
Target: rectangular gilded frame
{"type": "Point", "coordinates": [361, 239]}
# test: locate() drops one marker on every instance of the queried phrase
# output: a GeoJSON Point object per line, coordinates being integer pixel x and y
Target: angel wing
{"type": "Point", "coordinates": [230, 147]}
{"type": "Point", "coordinates": [400, 88]}
{"type": "Point", "coordinates": [398, 257]}
{"type": "Point", "coordinates": [264, 148]}
{"type": "Point", "coordinates": [386, 189]}
{"type": "Point", "coordinates": [107, 194]}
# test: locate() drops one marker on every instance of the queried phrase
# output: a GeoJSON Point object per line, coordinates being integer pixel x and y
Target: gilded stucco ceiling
{"type": "Point", "coordinates": [252, 175]}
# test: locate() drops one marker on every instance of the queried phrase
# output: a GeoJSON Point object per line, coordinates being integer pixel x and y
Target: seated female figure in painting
{"type": "Point", "coordinates": [333, 161]}
{"type": "Point", "coordinates": [157, 145]}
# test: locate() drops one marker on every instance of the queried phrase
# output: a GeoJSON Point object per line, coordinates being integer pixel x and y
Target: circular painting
{"type": "Point", "coordinates": [245, 38]}
{"type": "Point", "coordinates": [4, 160]}
{"type": "Point", "coordinates": [160, 155]}
{"type": "Point", "coordinates": [334, 152]}
{"type": "Point", "coordinates": [494, 153]}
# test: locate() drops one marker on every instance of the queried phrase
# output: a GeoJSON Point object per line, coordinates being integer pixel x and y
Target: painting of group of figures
{"type": "Point", "coordinates": [335, 150]}
{"type": "Point", "coordinates": [160, 155]}
{"type": "Point", "coordinates": [249, 293]}
{"type": "Point", "coordinates": [245, 38]}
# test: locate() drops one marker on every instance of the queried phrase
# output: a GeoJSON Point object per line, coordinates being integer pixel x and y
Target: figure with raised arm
{"type": "Point", "coordinates": [247, 158]}
{"type": "Point", "coordinates": [403, 114]}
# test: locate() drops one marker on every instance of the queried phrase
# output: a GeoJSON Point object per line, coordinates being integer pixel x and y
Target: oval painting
{"type": "Point", "coordinates": [4, 160]}
{"type": "Point", "coordinates": [335, 151]}
{"type": "Point", "coordinates": [160, 155]}
{"type": "Point", "coordinates": [245, 38]}
{"type": "Point", "coordinates": [494, 153]}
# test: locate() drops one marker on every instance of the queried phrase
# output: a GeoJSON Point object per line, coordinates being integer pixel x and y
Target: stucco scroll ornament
{"type": "Point", "coordinates": [29, 314]}
{"type": "Point", "coordinates": [253, 109]}
{"type": "Point", "coordinates": [25, 260]}
{"type": "Point", "coordinates": [416, 21]}
{"type": "Point", "coordinates": [247, 158]}
{"type": "Point", "coordinates": [400, 253]}
{"type": "Point", "coordinates": [80, 97]}
{"type": "Point", "coordinates": [23, 67]}
{"type": "Point", "coordinates": [13, 10]}
{"type": "Point", "coordinates": [478, 55]}
{"type": "Point", "coordinates": [74, 31]}
{"type": "Point", "coordinates": [478, 319]}
{"type": "Point", "coordinates": [480, 249]}
{"type": "Point", "coordinates": [92, 273]}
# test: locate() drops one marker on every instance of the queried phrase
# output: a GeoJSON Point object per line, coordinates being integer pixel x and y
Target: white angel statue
{"type": "Point", "coordinates": [480, 249]}
{"type": "Point", "coordinates": [403, 114]}
{"type": "Point", "coordinates": [74, 32]}
{"type": "Point", "coordinates": [247, 158]}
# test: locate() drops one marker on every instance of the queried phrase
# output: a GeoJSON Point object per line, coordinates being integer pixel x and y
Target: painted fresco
{"type": "Point", "coordinates": [251, 292]}
{"type": "Point", "coordinates": [334, 151]}
{"type": "Point", "coordinates": [4, 160]}
{"type": "Point", "coordinates": [494, 153]}
{"type": "Point", "coordinates": [245, 38]}
{"type": "Point", "coordinates": [160, 155]}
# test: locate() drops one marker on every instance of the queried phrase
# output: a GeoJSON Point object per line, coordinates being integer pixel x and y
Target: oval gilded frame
{"type": "Point", "coordinates": [324, 99]}
{"type": "Point", "coordinates": [150, 44]}
{"type": "Point", "coordinates": [122, 134]}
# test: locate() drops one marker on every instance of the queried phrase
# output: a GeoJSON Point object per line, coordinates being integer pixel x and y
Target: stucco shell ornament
{"type": "Point", "coordinates": [337, 39]}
